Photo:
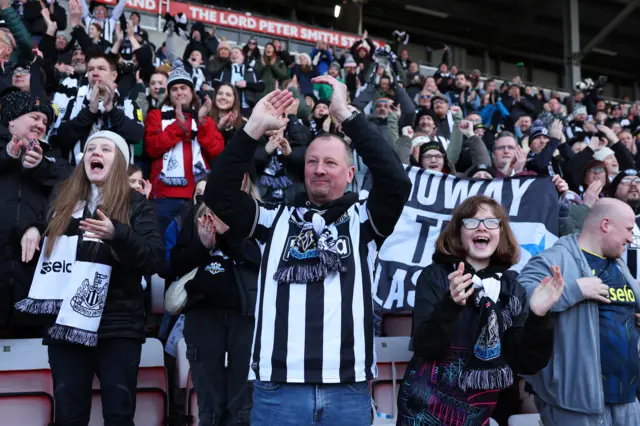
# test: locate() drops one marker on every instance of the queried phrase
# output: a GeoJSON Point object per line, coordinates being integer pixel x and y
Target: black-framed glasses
{"type": "Point", "coordinates": [21, 71]}
{"type": "Point", "coordinates": [489, 223]}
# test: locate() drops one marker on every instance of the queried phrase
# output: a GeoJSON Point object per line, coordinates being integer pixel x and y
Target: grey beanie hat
{"type": "Point", "coordinates": [179, 75]}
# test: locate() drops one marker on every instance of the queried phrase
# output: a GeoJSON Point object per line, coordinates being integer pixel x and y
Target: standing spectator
{"type": "Point", "coordinates": [542, 145]}
{"type": "Point", "coordinates": [157, 93]}
{"type": "Point", "coordinates": [304, 71]}
{"type": "Point", "coordinates": [220, 61]}
{"type": "Point", "coordinates": [288, 59]}
{"type": "Point", "coordinates": [225, 111]}
{"type": "Point", "coordinates": [29, 171]}
{"type": "Point", "coordinates": [245, 79]}
{"type": "Point", "coordinates": [589, 379]}
{"type": "Point", "coordinates": [251, 52]}
{"type": "Point", "coordinates": [405, 61]}
{"type": "Point", "coordinates": [321, 57]}
{"type": "Point", "coordinates": [553, 111]}
{"type": "Point", "coordinates": [362, 52]}
{"type": "Point", "coordinates": [181, 140]}
{"type": "Point", "coordinates": [443, 118]}
{"type": "Point", "coordinates": [109, 234]}
{"type": "Point", "coordinates": [414, 80]}
{"type": "Point", "coordinates": [98, 106]}
{"type": "Point", "coordinates": [287, 378]}
{"type": "Point", "coordinates": [201, 41]}
{"type": "Point", "coordinates": [274, 69]}
{"type": "Point", "coordinates": [100, 16]}
{"type": "Point", "coordinates": [471, 311]}
{"type": "Point", "coordinates": [219, 314]}
{"type": "Point", "coordinates": [353, 79]}
{"type": "Point", "coordinates": [99, 43]}
{"type": "Point", "coordinates": [516, 104]}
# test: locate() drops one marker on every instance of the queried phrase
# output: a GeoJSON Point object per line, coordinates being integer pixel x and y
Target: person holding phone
{"type": "Point", "coordinates": [474, 329]}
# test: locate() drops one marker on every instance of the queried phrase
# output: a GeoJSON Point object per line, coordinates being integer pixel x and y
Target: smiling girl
{"type": "Point", "coordinates": [101, 238]}
{"type": "Point", "coordinates": [225, 111]}
{"type": "Point", "coordinates": [473, 328]}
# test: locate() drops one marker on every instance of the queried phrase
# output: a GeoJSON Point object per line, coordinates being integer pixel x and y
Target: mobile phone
{"type": "Point", "coordinates": [31, 144]}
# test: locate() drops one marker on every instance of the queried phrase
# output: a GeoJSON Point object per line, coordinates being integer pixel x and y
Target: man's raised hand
{"type": "Point", "coordinates": [339, 108]}
{"type": "Point", "coordinates": [268, 114]}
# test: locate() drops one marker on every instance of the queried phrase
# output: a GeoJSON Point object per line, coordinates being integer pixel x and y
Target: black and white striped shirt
{"type": "Point", "coordinates": [321, 332]}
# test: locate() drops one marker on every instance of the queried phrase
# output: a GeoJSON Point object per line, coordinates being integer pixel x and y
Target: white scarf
{"type": "Point", "coordinates": [489, 287]}
{"type": "Point", "coordinates": [198, 77]}
{"type": "Point", "coordinates": [82, 101]}
{"type": "Point", "coordinates": [173, 167]}
{"type": "Point", "coordinates": [72, 283]}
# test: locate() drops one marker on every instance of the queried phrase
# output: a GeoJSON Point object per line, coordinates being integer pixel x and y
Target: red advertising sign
{"type": "Point", "coordinates": [244, 21]}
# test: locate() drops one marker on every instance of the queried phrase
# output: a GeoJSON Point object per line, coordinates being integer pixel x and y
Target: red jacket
{"type": "Point", "coordinates": [158, 142]}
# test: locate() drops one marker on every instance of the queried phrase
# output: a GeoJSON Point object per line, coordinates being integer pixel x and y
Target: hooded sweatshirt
{"type": "Point", "coordinates": [573, 378]}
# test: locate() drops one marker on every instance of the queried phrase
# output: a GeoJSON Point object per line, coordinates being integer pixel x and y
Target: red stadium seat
{"type": "Point", "coordinates": [31, 410]}
{"type": "Point", "coordinates": [397, 325]}
{"type": "Point", "coordinates": [26, 387]}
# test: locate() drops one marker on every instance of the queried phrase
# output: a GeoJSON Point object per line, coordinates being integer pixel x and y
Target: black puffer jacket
{"type": "Point", "coordinates": [139, 249]}
{"type": "Point", "coordinates": [237, 288]}
{"type": "Point", "coordinates": [23, 199]}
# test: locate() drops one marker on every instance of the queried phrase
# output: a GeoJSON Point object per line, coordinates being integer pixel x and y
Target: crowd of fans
{"type": "Point", "coordinates": [175, 117]}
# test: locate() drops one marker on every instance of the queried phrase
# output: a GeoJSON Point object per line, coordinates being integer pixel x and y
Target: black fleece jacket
{"type": "Point", "coordinates": [439, 323]}
{"type": "Point", "coordinates": [390, 191]}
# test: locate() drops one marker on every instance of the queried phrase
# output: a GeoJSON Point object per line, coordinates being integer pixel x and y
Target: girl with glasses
{"type": "Point", "coordinates": [473, 328]}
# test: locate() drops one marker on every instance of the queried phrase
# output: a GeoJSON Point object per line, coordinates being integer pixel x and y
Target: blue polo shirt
{"type": "Point", "coordinates": [618, 336]}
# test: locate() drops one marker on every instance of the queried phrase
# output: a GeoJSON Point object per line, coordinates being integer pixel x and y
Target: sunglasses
{"type": "Point", "coordinates": [489, 223]}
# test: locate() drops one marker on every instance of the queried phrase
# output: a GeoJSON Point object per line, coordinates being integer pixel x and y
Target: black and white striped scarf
{"type": "Point", "coordinates": [72, 283]}
{"type": "Point", "coordinates": [173, 167]}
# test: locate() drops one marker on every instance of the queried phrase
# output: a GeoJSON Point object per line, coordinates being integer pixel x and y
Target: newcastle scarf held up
{"type": "Point", "coordinates": [73, 283]}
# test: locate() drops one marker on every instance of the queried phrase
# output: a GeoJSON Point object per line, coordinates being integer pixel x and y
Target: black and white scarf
{"type": "Point", "coordinates": [173, 167]}
{"type": "Point", "coordinates": [486, 368]}
{"type": "Point", "coordinates": [274, 178]}
{"type": "Point", "coordinates": [313, 256]}
{"type": "Point", "coordinates": [73, 283]}
{"type": "Point", "coordinates": [81, 101]}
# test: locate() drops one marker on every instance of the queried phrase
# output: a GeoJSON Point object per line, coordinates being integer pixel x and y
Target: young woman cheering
{"type": "Point", "coordinates": [101, 239]}
{"type": "Point", "coordinates": [473, 328]}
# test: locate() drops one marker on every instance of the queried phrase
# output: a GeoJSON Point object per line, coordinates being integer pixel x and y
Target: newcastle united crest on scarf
{"type": "Point", "coordinates": [91, 297]}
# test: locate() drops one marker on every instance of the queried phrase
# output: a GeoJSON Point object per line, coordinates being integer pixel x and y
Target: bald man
{"type": "Point", "coordinates": [591, 378]}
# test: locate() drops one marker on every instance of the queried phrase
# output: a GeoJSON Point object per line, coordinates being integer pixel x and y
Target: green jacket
{"type": "Point", "coordinates": [271, 74]}
{"type": "Point", "coordinates": [24, 43]}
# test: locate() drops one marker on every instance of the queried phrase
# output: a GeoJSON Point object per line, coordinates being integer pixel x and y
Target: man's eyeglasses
{"type": "Point", "coordinates": [630, 180]}
{"type": "Point", "coordinates": [489, 223]}
{"type": "Point", "coordinates": [433, 157]}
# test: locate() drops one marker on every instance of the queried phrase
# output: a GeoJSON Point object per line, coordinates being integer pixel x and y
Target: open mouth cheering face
{"type": "Point", "coordinates": [480, 234]}
{"type": "Point", "coordinates": [98, 159]}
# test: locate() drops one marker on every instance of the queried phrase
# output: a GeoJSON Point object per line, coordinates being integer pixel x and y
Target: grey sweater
{"type": "Point", "coordinates": [572, 380]}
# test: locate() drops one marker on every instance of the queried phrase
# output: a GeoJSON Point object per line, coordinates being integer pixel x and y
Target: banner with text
{"type": "Point", "coordinates": [530, 202]}
{"type": "Point", "coordinates": [226, 18]}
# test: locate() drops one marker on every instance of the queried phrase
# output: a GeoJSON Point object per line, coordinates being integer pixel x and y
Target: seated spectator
{"type": "Point", "coordinates": [181, 140]}
{"type": "Point", "coordinates": [469, 283]}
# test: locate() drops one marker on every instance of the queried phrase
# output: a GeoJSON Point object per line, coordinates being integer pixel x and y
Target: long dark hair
{"type": "Point", "coordinates": [215, 112]}
{"type": "Point", "coordinates": [450, 243]}
{"type": "Point", "coordinates": [195, 101]}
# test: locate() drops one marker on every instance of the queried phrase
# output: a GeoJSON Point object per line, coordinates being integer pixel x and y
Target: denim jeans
{"type": "Point", "coordinates": [224, 394]}
{"type": "Point", "coordinates": [166, 209]}
{"type": "Point", "coordinates": [114, 361]}
{"type": "Point", "coordinates": [291, 404]}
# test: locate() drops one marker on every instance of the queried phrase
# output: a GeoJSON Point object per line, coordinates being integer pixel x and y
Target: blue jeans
{"type": "Point", "coordinates": [291, 404]}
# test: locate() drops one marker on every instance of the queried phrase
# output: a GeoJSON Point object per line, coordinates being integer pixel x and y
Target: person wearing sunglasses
{"type": "Point", "coordinates": [474, 329]}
